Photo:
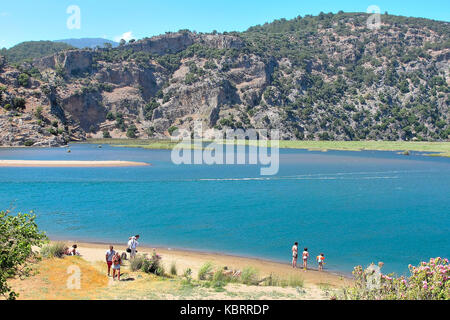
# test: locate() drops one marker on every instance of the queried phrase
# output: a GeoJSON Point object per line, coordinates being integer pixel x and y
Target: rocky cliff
{"type": "Point", "coordinates": [324, 77]}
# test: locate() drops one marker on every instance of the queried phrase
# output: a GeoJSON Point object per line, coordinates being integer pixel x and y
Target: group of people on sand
{"type": "Point", "coordinates": [305, 256]}
{"type": "Point", "coordinates": [114, 259]}
{"type": "Point", "coordinates": [71, 251]}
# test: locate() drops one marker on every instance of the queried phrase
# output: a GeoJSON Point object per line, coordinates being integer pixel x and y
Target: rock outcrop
{"type": "Point", "coordinates": [308, 78]}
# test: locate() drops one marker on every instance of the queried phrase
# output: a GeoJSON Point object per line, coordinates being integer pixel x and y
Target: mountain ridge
{"type": "Point", "coordinates": [92, 43]}
{"type": "Point", "coordinates": [325, 77]}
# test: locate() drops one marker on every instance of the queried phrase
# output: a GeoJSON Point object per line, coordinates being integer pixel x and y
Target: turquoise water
{"type": "Point", "coordinates": [356, 207]}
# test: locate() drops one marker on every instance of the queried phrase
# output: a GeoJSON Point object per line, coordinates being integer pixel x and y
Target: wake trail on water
{"type": "Point", "coordinates": [317, 176]}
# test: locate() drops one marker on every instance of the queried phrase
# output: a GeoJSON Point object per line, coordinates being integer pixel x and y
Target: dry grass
{"type": "Point", "coordinates": [50, 283]}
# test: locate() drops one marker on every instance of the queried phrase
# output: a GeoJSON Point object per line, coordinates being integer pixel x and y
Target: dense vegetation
{"type": "Point", "coordinates": [326, 77]}
{"type": "Point", "coordinates": [33, 49]}
{"type": "Point", "coordinates": [18, 234]}
{"type": "Point", "coordinates": [331, 77]}
{"type": "Point", "coordinates": [428, 281]}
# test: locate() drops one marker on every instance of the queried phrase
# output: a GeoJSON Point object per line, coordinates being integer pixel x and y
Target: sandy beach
{"type": "Point", "coordinates": [184, 259]}
{"type": "Point", "coordinates": [69, 164]}
{"type": "Point", "coordinates": [50, 278]}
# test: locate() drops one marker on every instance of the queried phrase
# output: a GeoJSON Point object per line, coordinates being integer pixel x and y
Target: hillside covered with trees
{"type": "Point", "coordinates": [325, 77]}
{"type": "Point", "coordinates": [27, 51]}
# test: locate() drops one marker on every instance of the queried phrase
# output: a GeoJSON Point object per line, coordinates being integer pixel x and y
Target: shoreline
{"type": "Point", "coordinates": [188, 258]}
{"type": "Point", "coordinates": [430, 148]}
{"type": "Point", "coordinates": [68, 164]}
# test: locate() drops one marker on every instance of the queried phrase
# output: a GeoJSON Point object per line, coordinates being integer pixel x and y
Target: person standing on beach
{"type": "Point", "coordinates": [294, 255]}
{"type": "Point", "coordinates": [305, 259]}
{"type": "Point", "coordinates": [109, 257]}
{"type": "Point", "coordinates": [132, 245]}
{"type": "Point", "coordinates": [320, 260]}
{"type": "Point", "coordinates": [116, 261]}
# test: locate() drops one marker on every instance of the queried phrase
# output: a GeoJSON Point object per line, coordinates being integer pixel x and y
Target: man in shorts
{"type": "Point", "coordinates": [132, 245]}
{"type": "Point", "coordinates": [294, 255]}
{"type": "Point", "coordinates": [109, 256]}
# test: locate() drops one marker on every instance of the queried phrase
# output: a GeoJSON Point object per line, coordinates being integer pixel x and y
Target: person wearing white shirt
{"type": "Point", "coordinates": [132, 245]}
{"type": "Point", "coordinates": [109, 257]}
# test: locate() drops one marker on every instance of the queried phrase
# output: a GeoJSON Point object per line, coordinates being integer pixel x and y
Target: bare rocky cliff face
{"type": "Point", "coordinates": [354, 85]}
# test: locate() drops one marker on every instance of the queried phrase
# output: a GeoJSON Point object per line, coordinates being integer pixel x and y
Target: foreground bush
{"type": "Point", "coordinates": [53, 250]}
{"type": "Point", "coordinates": [18, 234]}
{"type": "Point", "coordinates": [148, 265]}
{"type": "Point", "coordinates": [428, 281]}
{"type": "Point", "coordinates": [173, 269]}
{"type": "Point", "coordinates": [249, 276]}
{"type": "Point", "coordinates": [136, 263]}
{"type": "Point", "coordinates": [205, 272]}
{"type": "Point", "coordinates": [153, 265]}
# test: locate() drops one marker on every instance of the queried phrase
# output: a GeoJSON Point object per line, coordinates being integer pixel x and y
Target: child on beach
{"type": "Point", "coordinates": [294, 255]}
{"type": "Point", "coordinates": [109, 257]}
{"type": "Point", "coordinates": [305, 259]}
{"type": "Point", "coordinates": [116, 261]}
{"type": "Point", "coordinates": [320, 260]}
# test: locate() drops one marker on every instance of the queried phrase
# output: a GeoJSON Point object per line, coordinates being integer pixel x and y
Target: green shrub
{"type": "Point", "coordinates": [187, 277]}
{"type": "Point", "coordinates": [205, 271]}
{"type": "Point", "coordinates": [19, 103]}
{"type": "Point", "coordinates": [56, 249]}
{"type": "Point", "coordinates": [38, 113]}
{"type": "Point", "coordinates": [160, 271]}
{"type": "Point", "coordinates": [137, 263]}
{"type": "Point", "coordinates": [110, 116]}
{"type": "Point", "coordinates": [24, 80]}
{"type": "Point", "coordinates": [249, 276]}
{"type": "Point", "coordinates": [106, 134]}
{"type": "Point", "coordinates": [173, 269]}
{"type": "Point", "coordinates": [18, 235]}
{"type": "Point", "coordinates": [131, 131]}
{"type": "Point", "coordinates": [172, 129]}
{"type": "Point", "coordinates": [28, 143]}
{"type": "Point", "coordinates": [153, 265]}
{"type": "Point", "coordinates": [219, 279]}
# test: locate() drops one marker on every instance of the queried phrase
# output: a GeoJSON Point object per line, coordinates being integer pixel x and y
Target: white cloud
{"type": "Point", "coordinates": [127, 36]}
{"type": "Point", "coordinates": [4, 14]}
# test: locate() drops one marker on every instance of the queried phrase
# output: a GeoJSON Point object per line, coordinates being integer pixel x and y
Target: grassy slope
{"type": "Point", "coordinates": [437, 148]}
{"type": "Point", "coordinates": [51, 278]}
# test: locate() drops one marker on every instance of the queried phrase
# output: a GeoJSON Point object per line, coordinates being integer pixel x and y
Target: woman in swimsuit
{"type": "Point", "coordinates": [116, 265]}
{"type": "Point", "coordinates": [305, 259]}
{"type": "Point", "coordinates": [294, 255]}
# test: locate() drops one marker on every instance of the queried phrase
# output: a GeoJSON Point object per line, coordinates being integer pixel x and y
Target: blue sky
{"type": "Point", "coordinates": [23, 20]}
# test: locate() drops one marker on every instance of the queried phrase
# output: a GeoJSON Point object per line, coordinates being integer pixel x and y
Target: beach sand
{"type": "Point", "coordinates": [50, 278]}
{"type": "Point", "coordinates": [191, 259]}
{"type": "Point", "coordinates": [68, 164]}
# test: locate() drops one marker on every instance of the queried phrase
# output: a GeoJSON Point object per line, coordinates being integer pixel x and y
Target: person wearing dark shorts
{"type": "Point", "coordinates": [294, 255]}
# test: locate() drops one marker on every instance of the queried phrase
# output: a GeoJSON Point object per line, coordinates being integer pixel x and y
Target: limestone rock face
{"type": "Point", "coordinates": [355, 85]}
{"type": "Point", "coordinates": [72, 61]}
